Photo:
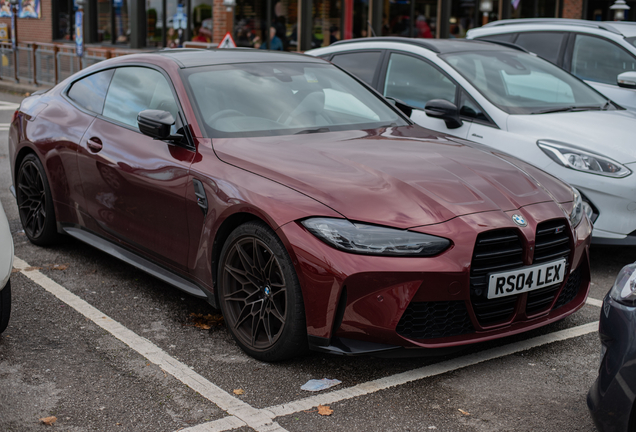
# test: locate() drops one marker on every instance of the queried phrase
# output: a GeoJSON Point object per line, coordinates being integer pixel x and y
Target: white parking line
{"type": "Point", "coordinates": [242, 413]}
{"type": "Point", "coordinates": [405, 377]}
{"type": "Point", "coordinates": [594, 302]}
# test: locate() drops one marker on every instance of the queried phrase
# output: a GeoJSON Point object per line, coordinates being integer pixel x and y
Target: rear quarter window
{"type": "Point", "coordinates": [90, 92]}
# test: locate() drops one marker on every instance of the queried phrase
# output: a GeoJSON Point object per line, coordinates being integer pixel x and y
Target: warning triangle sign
{"type": "Point", "coordinates": [227, 41]}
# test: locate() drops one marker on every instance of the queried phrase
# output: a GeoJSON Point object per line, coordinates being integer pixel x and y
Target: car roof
{"type": "Point", "coordinates": [193, 57]}
{"type": "Point", "coordinates": [440, 46]}
{"type": "Point", "coordinates": [624, 28]}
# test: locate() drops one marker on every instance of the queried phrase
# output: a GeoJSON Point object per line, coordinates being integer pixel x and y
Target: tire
{"type": "Point", "coordinates": [35, 203]}
{"type": "Point", "coordinates": [5, 306]}
{"type": "Point", "coordinates": [260, 295]}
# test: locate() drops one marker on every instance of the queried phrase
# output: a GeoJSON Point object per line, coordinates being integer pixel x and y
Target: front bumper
{"type": "Point", "coordinates": [611, 398]}
{"type": "Point", "coordinates": [366, 299]}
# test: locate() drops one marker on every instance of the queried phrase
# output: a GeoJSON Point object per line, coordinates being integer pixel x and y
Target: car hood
{"type": "Point", "coordinates": [609, 133]}
{"type": "Point", "coordinates": [402, 177]}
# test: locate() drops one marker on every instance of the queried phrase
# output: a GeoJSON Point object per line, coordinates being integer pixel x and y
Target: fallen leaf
{"type": "Point", "coordinates": [239, 391]}
{"type": "Point", "coordinates": [32, 268]}
{"type": "Point", "coordinates": [49, 420]}
{"type": "Point", "coordinates": [466, 413]}
{"type": "Point", "coordinates": [57, 266]}
{"type": "Point", "coordinates": [15, 270]}
{"type": "Point", "coordinates": [324, 410]}
{"type": "Point", "coordinates": [206, 322]}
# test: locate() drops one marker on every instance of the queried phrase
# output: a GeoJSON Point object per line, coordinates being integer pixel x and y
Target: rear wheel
{"type": "Point", "coordinates": [35, 203]}
{"type": "Point", "coordinates": [260, 295]}
{"type": "Point", "coordinates": [5, 306]}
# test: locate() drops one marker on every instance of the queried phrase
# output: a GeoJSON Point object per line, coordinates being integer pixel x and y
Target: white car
{"type": "Point", "coordinates": [601, 53]}
{"type": "Point", "coordinates": [517, 103]}
{"type": "Point", "coordinates": [6, 265]}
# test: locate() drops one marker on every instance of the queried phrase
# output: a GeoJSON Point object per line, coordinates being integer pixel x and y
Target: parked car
{"type": "Point", "coordinates": [307, 207]}
{"type": "Point", "coordinates": [601, 53]}
{"type": "Point", "coordinates": [6, 265]}
{"type": "Point", "coordinates": [611, 399]}
{"type": "Point", "coordinates": [513, 102]}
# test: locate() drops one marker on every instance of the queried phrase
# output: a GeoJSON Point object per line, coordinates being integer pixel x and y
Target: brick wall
{"type": "Point", "coordinates": [222, 21]}
{"type": "Point", "coordinates": [35, 30]}
{"type": "Point", "coordinates": [573, 9]}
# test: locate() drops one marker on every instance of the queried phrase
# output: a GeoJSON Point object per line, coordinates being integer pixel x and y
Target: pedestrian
{"type": "Point", "coordinates": [276, 43]}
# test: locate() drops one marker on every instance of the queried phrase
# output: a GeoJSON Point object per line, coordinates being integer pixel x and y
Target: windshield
{"type": "Point", "coordinates": [520, 83]}
{"type": "Point", "coordinates": [258, 99]}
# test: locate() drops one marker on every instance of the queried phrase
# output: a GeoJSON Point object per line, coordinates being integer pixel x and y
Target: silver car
{"type": "Point", "coordinates": [6, 264]}
{"type": "Point", "coordinates": [603, 54]}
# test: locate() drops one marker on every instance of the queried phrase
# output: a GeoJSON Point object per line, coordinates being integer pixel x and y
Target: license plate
{"type": "Point", "coordinates": [526, 279]}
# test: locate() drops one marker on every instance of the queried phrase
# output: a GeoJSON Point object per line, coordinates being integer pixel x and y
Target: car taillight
{"type": "Point", "coordinates": [15, 115]}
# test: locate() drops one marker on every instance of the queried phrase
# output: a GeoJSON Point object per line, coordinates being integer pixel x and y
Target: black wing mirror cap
{"type": "Point", "coordinates": [402, 106]}
{"type": "Point", "coordinates": [155, 123]}
{"type": "Point", "coordinates": [444, 110]}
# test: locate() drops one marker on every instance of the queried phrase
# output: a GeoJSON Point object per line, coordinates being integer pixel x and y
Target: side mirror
{"type": "Point", "coordinates": [445, 110]}
{"type": "Point", "coordinates": [627, 80]}
{"type": "Point", "coordinates": [155, 123]}
{"type": "Point", "coordinates": [405, 108]}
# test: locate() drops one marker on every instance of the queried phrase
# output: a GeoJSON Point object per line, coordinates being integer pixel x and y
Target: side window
{"type": "Point", "coordinates": [506, 37]}
{"type": "Point", "coordinates": [599, 60]}
{"type": "Point", "coordinates": [470, 109]}
{"type": "Point", "coordinates": [90, 92]}
{"type": "Point", "coordinates": [544, 44]}
{"type": "Point", "coordinates": [134, 89]}
{"type": "Point", "coordinates": [361, 64]}
{"type": "Point", "coordinates": [415, 81]}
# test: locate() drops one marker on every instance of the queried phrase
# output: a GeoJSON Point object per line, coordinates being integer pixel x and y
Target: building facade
{"type": "Point", "coordinates": [300, 24]}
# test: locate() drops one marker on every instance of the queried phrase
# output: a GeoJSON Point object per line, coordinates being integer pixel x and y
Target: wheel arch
{"type": "Point", "coordinates": [230, 223]}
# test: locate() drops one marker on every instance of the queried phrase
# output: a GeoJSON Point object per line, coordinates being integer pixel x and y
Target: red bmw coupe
{"type": "Point", "coordinates": [311, 210]}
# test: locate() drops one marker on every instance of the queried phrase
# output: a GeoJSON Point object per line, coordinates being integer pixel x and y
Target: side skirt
{"type": "Point", "coordinates": [139, 262]}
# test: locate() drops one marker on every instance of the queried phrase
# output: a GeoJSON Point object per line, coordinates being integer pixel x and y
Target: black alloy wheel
{"type": "Point", "coordinates": [5, 306]}
{"type": "Point", "coordinates": [260, 295]}
{"type": "Point", "coordinates": [35, 203]}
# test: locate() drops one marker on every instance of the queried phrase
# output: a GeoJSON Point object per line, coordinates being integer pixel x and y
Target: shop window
{"type": "Point", "coordinates": [64, 22]}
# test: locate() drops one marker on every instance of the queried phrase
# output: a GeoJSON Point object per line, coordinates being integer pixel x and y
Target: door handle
{"type": "Point", "coordinates": [94, 144]}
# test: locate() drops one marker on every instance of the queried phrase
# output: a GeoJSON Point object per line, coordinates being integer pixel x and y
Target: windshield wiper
{"type": "Point", "coordinates": [574, 108]}
{"type": "Point", "coordinates": [308, 131]}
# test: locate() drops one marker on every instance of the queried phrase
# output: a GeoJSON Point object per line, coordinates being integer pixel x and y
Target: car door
{"type": "Point", "coordinates": [598, 62]}
{"type": "Point", "coordinates": [135, 186]}
{"type": "Point", "coordinates": [416, 81]}
{"type": "Point", "coordinates": [66, 120]}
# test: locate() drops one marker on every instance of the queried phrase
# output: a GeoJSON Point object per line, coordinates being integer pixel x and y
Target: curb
{"type": "Point", "coordinates": [9, 86]}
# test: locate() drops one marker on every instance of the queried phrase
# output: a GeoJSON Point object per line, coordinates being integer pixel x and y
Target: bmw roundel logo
{"type": "Point", "coordinates": [519, 220]}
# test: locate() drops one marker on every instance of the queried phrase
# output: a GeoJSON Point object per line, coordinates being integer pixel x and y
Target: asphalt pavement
{"type": "Point", "coordinates": [101, 346]}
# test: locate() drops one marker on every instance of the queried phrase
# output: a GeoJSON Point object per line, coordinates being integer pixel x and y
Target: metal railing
{"type": "Point", "coordinates": [49, 63]}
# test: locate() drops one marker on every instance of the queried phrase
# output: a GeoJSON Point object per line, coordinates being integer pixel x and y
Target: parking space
{"type": "Point", "coordinates": [102, 346]}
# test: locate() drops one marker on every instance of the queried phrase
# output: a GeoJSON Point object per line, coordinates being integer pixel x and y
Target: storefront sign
{"type": "Point", "coordinates": [79, 33]}
{"type": "Point", "coordinates": [4, 32]}
{"type": "Point", "coordinates": [26, 9]}
{"type": "Point", "coordinates": [29, 9]}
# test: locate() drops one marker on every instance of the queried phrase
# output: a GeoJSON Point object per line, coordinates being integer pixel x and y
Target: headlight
{"type": "Point", "coordinates": [577, 209]}
{"type": "Point", "coordinates": [581, 160]}
{"type": "Point", "coordinates": [374, 240]}
{"type": "Point", "coordinates": [624, 289]}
